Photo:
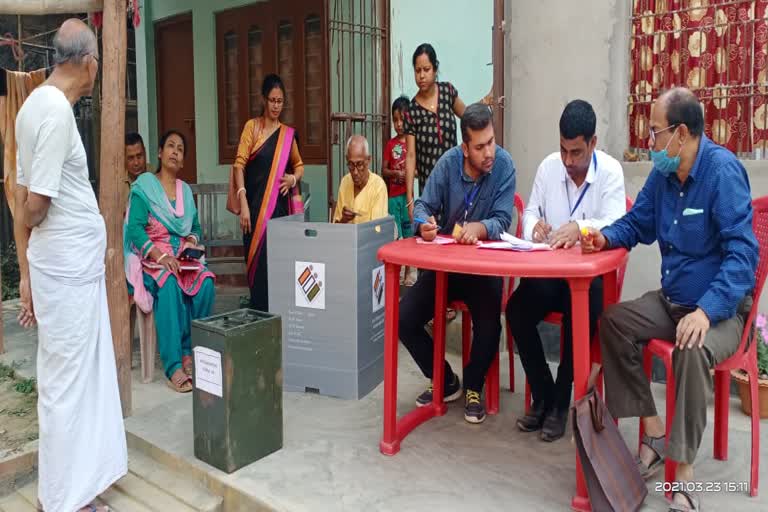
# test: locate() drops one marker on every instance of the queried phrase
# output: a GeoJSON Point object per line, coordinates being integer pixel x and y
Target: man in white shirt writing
{"type": "Point", "coordinates": [579, 187]}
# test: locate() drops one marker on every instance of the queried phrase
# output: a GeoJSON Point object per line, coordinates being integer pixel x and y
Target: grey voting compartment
{"type": "Point", "coordinates": [328, 287]}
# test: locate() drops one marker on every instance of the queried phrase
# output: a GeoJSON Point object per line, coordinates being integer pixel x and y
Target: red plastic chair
{"type": "Point", "coordinates": [492, 379]}
{"type": "Point", "coordinates": [744, 359]}
{"type": "Point", "coordinates": [557, 319]}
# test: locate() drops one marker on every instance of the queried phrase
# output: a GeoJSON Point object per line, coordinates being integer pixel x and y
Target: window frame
{"type": "Point", "coordinates": [267, 16]}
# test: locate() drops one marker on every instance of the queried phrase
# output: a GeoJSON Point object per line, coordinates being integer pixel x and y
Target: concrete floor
{"type": "Point", "coordinates": [330, 460]}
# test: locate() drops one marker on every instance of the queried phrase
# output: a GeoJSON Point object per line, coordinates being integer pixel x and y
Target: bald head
{"type": "Point", "coordinates": [358, 160]}
{"type": "Point", "coordinates": [73, 42]}
{"type": "Point", "coordinates": [358, 144]}
{"type": "Point", "coordinates": [682, 107]}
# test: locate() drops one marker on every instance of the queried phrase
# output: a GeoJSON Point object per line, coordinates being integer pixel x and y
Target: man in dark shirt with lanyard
{"type": "Point", "coordinates": [472, 190]}
{"type": "Point", "coordinates": [575, 188]}
{"type": "Point", "coordinates": [697, 204]}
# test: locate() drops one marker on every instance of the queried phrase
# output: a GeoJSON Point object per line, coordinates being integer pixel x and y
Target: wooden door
{"type": "Point", "coordinates": [176, 87]}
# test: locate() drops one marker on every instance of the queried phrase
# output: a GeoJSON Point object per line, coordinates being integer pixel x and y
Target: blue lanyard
{"type": "Point", "coordinates": [469, 197]}
{"type": "Point", "coordinates": [586, 187]}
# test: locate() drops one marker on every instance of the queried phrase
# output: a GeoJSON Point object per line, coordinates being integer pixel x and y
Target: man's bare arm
{"type": "Point", "coordinates": [21, 231]}
{"type": "Point", "coordinates": [35, 209]}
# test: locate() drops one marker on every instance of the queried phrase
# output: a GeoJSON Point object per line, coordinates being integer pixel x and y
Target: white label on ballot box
{"type": "Point", "coordinates": [309, 284]}
{"type": "Point", "coordinates": [208, 371]}
{"type": "Point", "coordinates": [377, 287]}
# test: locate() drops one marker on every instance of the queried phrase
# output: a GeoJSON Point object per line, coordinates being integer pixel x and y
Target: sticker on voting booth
{"type": "Point", "coordinates": [310, 285]}
{"type": "Point", "coordinates": [377, 287]}
{"type": "Point", "coordinates": [208, 371]}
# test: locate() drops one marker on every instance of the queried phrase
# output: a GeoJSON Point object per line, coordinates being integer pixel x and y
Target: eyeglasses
{"type": "Point", "coordinates": [359, 165]}
{"type": "Point", "coordinates": [652, 134]}
{"type": "Point", "coordinates": [276, 101]}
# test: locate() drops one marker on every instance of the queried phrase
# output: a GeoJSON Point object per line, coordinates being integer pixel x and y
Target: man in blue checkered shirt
{"type": "Point", "coordinates": [696, 204]}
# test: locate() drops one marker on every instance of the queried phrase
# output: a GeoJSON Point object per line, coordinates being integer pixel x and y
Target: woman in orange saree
{"type": "Point", "coordinates": [267, 171]}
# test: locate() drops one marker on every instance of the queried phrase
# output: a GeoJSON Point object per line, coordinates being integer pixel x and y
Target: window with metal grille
{"type": "Point", "coordinates": [716, 48]}
{"type": "Point", "coordinates": [273, 37]}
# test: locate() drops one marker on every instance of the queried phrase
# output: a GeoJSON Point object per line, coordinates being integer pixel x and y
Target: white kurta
{"type": "Point", "coordinates": [82, 448]}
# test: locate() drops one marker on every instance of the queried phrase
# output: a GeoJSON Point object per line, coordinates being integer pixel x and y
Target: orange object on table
{"type": "Point", "coordinates": [569, 264]}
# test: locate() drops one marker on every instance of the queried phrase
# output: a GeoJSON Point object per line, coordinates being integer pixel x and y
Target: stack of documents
{"type": "Point", "coordinates": [512, 243]}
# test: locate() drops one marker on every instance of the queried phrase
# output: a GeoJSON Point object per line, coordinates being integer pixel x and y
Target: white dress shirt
{"type": "Point", "coordinates": [556, 196]}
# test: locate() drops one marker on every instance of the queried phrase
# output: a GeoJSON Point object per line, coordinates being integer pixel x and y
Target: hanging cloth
{"type": "Point", "coordinates": [18, 86]}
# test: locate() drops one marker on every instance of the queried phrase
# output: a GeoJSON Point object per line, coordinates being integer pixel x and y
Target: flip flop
{"type": "Point", "coordinates": [184, 386]}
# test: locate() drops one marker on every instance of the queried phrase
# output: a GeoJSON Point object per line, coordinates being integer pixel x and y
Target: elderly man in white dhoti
{"type": "Point", "coordinates": [82, 437]}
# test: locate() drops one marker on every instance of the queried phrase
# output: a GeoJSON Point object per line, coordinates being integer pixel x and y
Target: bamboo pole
{"type": "Point", "coordinates": [41, 7]}
{"type": "Point", "coordinates": [112, 171]}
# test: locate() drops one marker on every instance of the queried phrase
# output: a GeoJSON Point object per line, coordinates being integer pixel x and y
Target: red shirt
{"type": "Point", "coordinates": [394, 157]}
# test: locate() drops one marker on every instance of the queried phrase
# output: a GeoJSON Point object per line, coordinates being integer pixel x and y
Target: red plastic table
{"type": "Point", "coordinates": [570, 264]}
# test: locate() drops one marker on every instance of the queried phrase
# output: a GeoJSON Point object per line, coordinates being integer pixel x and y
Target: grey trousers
{"type": "Point", "coordinates": [626, 327]}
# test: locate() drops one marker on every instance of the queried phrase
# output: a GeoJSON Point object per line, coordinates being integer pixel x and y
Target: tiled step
{"type": "Point", "coordinates": [148, 487]}
{"type": "Point", "coordinates": [193, 497]}
{"type": "Point", "coordinates": [15, 503]}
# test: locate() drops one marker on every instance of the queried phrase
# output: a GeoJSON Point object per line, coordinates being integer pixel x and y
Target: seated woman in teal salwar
{"type": "Point", "coordinates": [161, 223]}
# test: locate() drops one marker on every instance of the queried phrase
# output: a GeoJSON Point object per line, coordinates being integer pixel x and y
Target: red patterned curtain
{"type": "Point", "coordinates": [718, 49]}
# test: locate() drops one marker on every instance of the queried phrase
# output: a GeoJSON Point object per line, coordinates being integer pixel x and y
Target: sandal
{"type": "Point", "coordinates": [693, 503]}
{"type": "Point", "coordinates": [186, 365]}
{"type": "Point", "coordinates": [180, 382]}
{"type": "Point", "coordinates": [93, 508]}
{"type": "Point", "coordinates": [657, 444]}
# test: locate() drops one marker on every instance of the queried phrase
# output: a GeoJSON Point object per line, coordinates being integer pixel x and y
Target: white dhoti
{"type": "Point", "coordinates": [82, 437]}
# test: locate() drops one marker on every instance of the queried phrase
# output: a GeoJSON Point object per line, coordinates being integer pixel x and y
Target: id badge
{"type": "Point", "coordinates": [457, 230]}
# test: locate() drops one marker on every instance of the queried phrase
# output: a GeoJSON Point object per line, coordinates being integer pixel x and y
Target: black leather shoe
{"type": "Point", "coordinates": [554, 425]}
{"type": "Point", "coordinates": [534, 420]}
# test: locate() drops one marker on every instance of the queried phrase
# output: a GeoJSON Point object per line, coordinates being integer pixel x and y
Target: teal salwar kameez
{"type": "Point", "coordinates": [174, 312]}
{"type": "Point", "coordinates": [153, 221]}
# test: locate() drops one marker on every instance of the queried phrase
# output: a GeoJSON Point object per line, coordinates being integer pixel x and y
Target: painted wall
{"type": "Point", "coordinates": [206, 105]}
{"type": "Point", "coordinates": [462, 41]}
{"type": "Point", "coordinates": [550, 60]}
{"type": "Point", "coordinates": [556, 52]}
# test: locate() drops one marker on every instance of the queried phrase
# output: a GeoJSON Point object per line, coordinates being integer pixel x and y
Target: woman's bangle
{"type": "Point", "coordinates": [294, 180]}
{"type": "Point", "coordinates": [161, 257]}
{"type": "Point", "coordinates": [409, 203]}
{"type": "Point", "coordinates": [242, 189]}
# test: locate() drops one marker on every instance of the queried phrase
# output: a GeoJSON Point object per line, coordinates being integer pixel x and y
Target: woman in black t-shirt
{"type": "Point", "coordinates": [429, 124]}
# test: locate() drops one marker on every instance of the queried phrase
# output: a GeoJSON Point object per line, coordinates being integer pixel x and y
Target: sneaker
{"type": "Point", "coordinates": [474, 412]}
{"type": "Point", "coordinates": [451, 393]}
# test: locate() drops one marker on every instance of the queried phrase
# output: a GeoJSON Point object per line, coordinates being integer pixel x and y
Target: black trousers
{"type": "Point", "coordinates": [482, 295]}
{"type": "Point", "coordinates": [532, 301]}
